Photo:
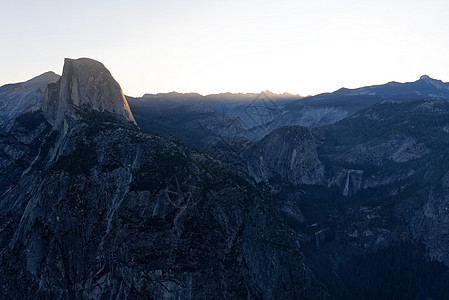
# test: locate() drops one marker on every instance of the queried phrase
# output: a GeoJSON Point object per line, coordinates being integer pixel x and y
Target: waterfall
{"type": "Point", "coordinates": [346, 190]}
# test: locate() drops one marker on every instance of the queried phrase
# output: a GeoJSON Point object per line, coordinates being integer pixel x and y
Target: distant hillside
{"type": "Point", "coordinates": [197, 119]}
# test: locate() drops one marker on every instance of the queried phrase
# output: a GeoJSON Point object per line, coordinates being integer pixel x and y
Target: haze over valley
{"type": "Point", "coordinates": [181, 196]}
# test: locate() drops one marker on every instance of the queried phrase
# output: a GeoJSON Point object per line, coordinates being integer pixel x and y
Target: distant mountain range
{"type": "Point", "coordinates": [341, 195]}
{"type": "Point", "coordinates": [197, 119]}
{"type": "Point", "coordinates": [355, 99]}
{"type": "Point", "coordinates": [350, 100]}
{"type": "Point", "coordinates": [190, 117]}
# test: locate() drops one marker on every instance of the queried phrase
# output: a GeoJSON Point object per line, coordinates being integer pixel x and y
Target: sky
{"type": "Point", "coordinates": [301, 47]}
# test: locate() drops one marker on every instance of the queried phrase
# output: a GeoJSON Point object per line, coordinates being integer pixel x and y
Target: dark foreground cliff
{"type": "Point", "coordinates": [91, 207]}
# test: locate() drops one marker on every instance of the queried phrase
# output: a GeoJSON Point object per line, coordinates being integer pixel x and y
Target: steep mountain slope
{"type": "Point", "coordinates": [388, 135]}
{"type": "Point", "coordinates": [20, 97]}
{"type": "Point", "coordinates": [287, 154]}
{"type": "Point", "coordinates": [381, 206]}
{"type": "Point", "coordinates": [92, 207]}
{"type": "Point", "coordinates": [401, 150]}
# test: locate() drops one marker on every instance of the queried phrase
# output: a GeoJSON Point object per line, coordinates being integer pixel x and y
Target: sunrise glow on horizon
{"type": "Point", "coordinates": [300, 47]}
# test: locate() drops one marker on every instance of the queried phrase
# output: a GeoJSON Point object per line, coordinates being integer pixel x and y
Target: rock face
{"type": "Point", "coordinates": [428, 219]}
{"type": "Point", "coordinates": [383, 202]}
{"type": "Point", "coordinates": [85, 84]}
{"type": "Point", "coordinates": [287, 154]}
{"type": "Point", "coordinates": [366, 196]}
{"type": "Point", "coordinates": [103, 210]}
{"type": "Point", "coordinates": [20, 97]}
{"type": "Point", "coordinates": [93, 207]}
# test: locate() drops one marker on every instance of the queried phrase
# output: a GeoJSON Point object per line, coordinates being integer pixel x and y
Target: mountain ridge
{"type": "Point", "coordinates": [17, 98]}
{"type": "Point", "coordinates": [105, 210]}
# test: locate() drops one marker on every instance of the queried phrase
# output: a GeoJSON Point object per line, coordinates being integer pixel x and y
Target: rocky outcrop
{"type": "Point", "coordinates": [126, 214]}
{"type": "Point", "coordinates": [92, 207]}
{"type": "Point", "coordinates": [103, 210]}
{"type": "Point", "coordinates": [428, 219]}
{"type": "Point", "coordinates": [18, 98]}
{"type": "Point", "coordinates": [287, 154]}
{"type": "Point", "coordinates": [84, 84]}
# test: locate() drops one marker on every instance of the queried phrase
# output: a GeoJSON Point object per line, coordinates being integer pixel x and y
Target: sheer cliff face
{"type": "Point", "coordinates": [103, 210]}
{"type": "Point", "coordinates": [84, 84]}
{"type": "Point", "coordinates": [287, 154]}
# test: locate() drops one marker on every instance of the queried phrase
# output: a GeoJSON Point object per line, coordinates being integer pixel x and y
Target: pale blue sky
{"type": "Point", "coordinates": [304, 47]}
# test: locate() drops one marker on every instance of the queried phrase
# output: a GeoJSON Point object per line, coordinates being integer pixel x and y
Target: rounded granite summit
{"type": "Point", "coordinates": [85, 83]}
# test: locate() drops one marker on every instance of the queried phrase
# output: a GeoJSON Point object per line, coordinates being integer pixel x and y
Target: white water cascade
{"type": "Point", "coordinates": [346, 190]}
